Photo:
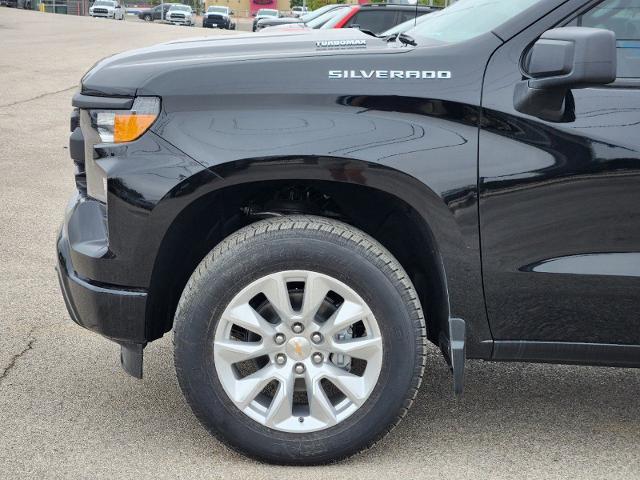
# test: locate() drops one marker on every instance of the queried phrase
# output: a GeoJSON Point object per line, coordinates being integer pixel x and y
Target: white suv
{"type": "Point", "coordinates": [297, 12]}
{"type": "Point", "coordinates": [181, 15]}
{"type": "Point", "coordinates": [107, 9]}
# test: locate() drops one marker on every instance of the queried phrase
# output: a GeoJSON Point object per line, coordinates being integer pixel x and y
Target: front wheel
{"type": "Point", "coordinates": [299, 340]}
{"type": "Point", "coordinates": [147, 18]}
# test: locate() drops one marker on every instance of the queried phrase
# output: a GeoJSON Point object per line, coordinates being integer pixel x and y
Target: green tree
{"type": "Point", "coordinates": [315, 4]}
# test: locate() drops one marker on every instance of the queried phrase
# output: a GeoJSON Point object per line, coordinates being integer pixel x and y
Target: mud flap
{"type": "Point", "coordinates": [453, 349]}
{"type": "Point", "coordinates": [131, 355]}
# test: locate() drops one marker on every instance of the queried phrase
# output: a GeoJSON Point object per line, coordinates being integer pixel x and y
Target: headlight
{"type": "Point", "coordinates": [113, 126]}
{"type": "Point", "coordinates": [118, 126]}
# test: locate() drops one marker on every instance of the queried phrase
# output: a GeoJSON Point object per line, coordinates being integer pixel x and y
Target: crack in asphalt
{"type": "Point", "coordinates": [12, 362]}
{"type": "Point", "coordinates": [37, 97]}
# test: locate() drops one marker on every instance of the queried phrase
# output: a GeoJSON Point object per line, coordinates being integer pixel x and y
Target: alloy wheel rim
{"type": "Point", "coordinates": [298, 351]}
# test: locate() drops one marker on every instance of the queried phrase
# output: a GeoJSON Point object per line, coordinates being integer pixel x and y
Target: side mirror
{"type": "Point", "coordinates": [562, 59]}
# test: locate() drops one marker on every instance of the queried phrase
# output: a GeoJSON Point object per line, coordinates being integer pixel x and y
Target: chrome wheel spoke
{"type": "Point", "coordinates": [316, 289]}
{"type": "Point", "coordinates": [235, 351]}
{"type": "Point", "coordinates": [281, 407]}
{"type": "Point", "coordinates": [275, 289]}
{"type": "Point", "coordinates": [248, 388]}
{"type": "Point", "coordinates": [319, 405]}
{"type": "Point", "coordinates": [246, 317]}
{"type": "Point", "coordinates": [364, 348]}
{"type": "Point", "coordinates": [353, 386]}
{"type": "Point", "coordinates": [347, 314]}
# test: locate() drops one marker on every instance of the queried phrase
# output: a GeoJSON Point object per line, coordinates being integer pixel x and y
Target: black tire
{"type": "Point", "coordinates": [321, 245]}
{"type": "Point", "coordinates": [147, 18]}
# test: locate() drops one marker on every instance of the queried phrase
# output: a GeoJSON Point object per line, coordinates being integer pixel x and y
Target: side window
{"type": "Point", "coordinates": [375, 20]}
{"type": "Point", "coordinates": [623, 18]}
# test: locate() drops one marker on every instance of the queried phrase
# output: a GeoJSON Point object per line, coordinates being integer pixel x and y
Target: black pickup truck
{"type": "Point", "coordinates": [307, 211]}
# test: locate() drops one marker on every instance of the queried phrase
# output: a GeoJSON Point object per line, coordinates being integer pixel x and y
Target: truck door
{"type": "Point", "coordinates": [560, 204]}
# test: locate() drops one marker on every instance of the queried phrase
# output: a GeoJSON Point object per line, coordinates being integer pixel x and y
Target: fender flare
{"type": "Point", "coordinates": [460, 264]}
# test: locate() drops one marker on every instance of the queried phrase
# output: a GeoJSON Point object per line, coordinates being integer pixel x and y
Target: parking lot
{"type": "Point", "coordinates": [68, 411]}
{"type": "Point", "coordinates": [243, 24]}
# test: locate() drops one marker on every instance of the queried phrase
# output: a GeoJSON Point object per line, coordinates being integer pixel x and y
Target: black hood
{"type": "Point", "coordinates": [125, 73]}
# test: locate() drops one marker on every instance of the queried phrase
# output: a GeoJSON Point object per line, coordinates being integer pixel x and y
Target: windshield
{"type": "Point", "coordinates": [329, 19]}
{"type": "Point", "coordinates": [104, 3]}
{"type": "Point", "coordinates": [181, 8]}
{"type": "Point", "coordinates": [404, 26]}
{"type": "Point", "coordinates": [217, 10]}
{"type": "Point", "coordinates": [467, 19]}
{"type": "Point", "coordinates": [267, 13]}
{"type": "Point", "coordinates": [307, 17]}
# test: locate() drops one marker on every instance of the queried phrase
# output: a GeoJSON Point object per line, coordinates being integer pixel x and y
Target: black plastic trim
{"type": "Point", "coordinates": [115, 313]}
{"type": "Point", "coordinates": [572, 353]}
{"type": "Point", "coordinates": [102, 103]}
{"type": "Point", "coordinates": [76, 146]}
{"type": "Point", "coordinates": [131, 358]}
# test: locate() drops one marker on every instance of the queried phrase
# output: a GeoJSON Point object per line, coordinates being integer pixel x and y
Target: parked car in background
{"type": "Point", "coordinates": [299, 11]}
{"type": "Point", "coordinates": [107, 9]}
{"type": "Point", "coordinates": [375, 18]}
{"type": "Point", "coordinates": [156, 13]}
{"type": "Point", "coordinates": [181, 15]}
{"type": "Point", "coordinates": [264, 13]}
{"type": "Point", "coordinates": [314, 24]}
{"type": "Point", "coordinates": [24, 4]}
{"type": "Point", "coordinates": [378, 17]}
{"type": "Point", "coordinates": [307, 17]}
{"type": "Point", "coordinates": [218, 16]}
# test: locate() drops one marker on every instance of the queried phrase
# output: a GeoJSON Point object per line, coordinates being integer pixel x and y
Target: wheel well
{"type": "Point", "coordinates": [208, 220]}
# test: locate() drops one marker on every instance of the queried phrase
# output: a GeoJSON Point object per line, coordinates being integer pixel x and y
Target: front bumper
{"type": "Point", "coordinates": [115, 312]}
{"type": "Point", "coordinates": [215, 22]}
{"type": "Point", "coordinates": [103, 15]}
{"type": "Point", "coordinates": [181, 21]}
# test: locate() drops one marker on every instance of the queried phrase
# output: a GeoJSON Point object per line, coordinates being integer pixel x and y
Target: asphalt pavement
{"type": "Point", "coordinates": [67, 411]}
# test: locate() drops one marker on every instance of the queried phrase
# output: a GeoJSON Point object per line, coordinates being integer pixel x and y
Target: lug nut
{"type": "Point", "coordinates": [281, 359]}
{"type": "Point", "coordinates": [299, 368]}
{"type": "Point", "coordinates": [279, 338]}
{"type": "Point", "coordinates": [317, 357]}
{"type": "Point", "coordinates": [316, 337]}
{"type": "Point", "coordinates": [297, 327]}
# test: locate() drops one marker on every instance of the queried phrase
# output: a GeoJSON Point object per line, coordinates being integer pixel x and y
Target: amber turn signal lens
{"type": "Point", "coordinates": [128, 127]}
{"type": "Point", "coordinates": [118, 126]}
